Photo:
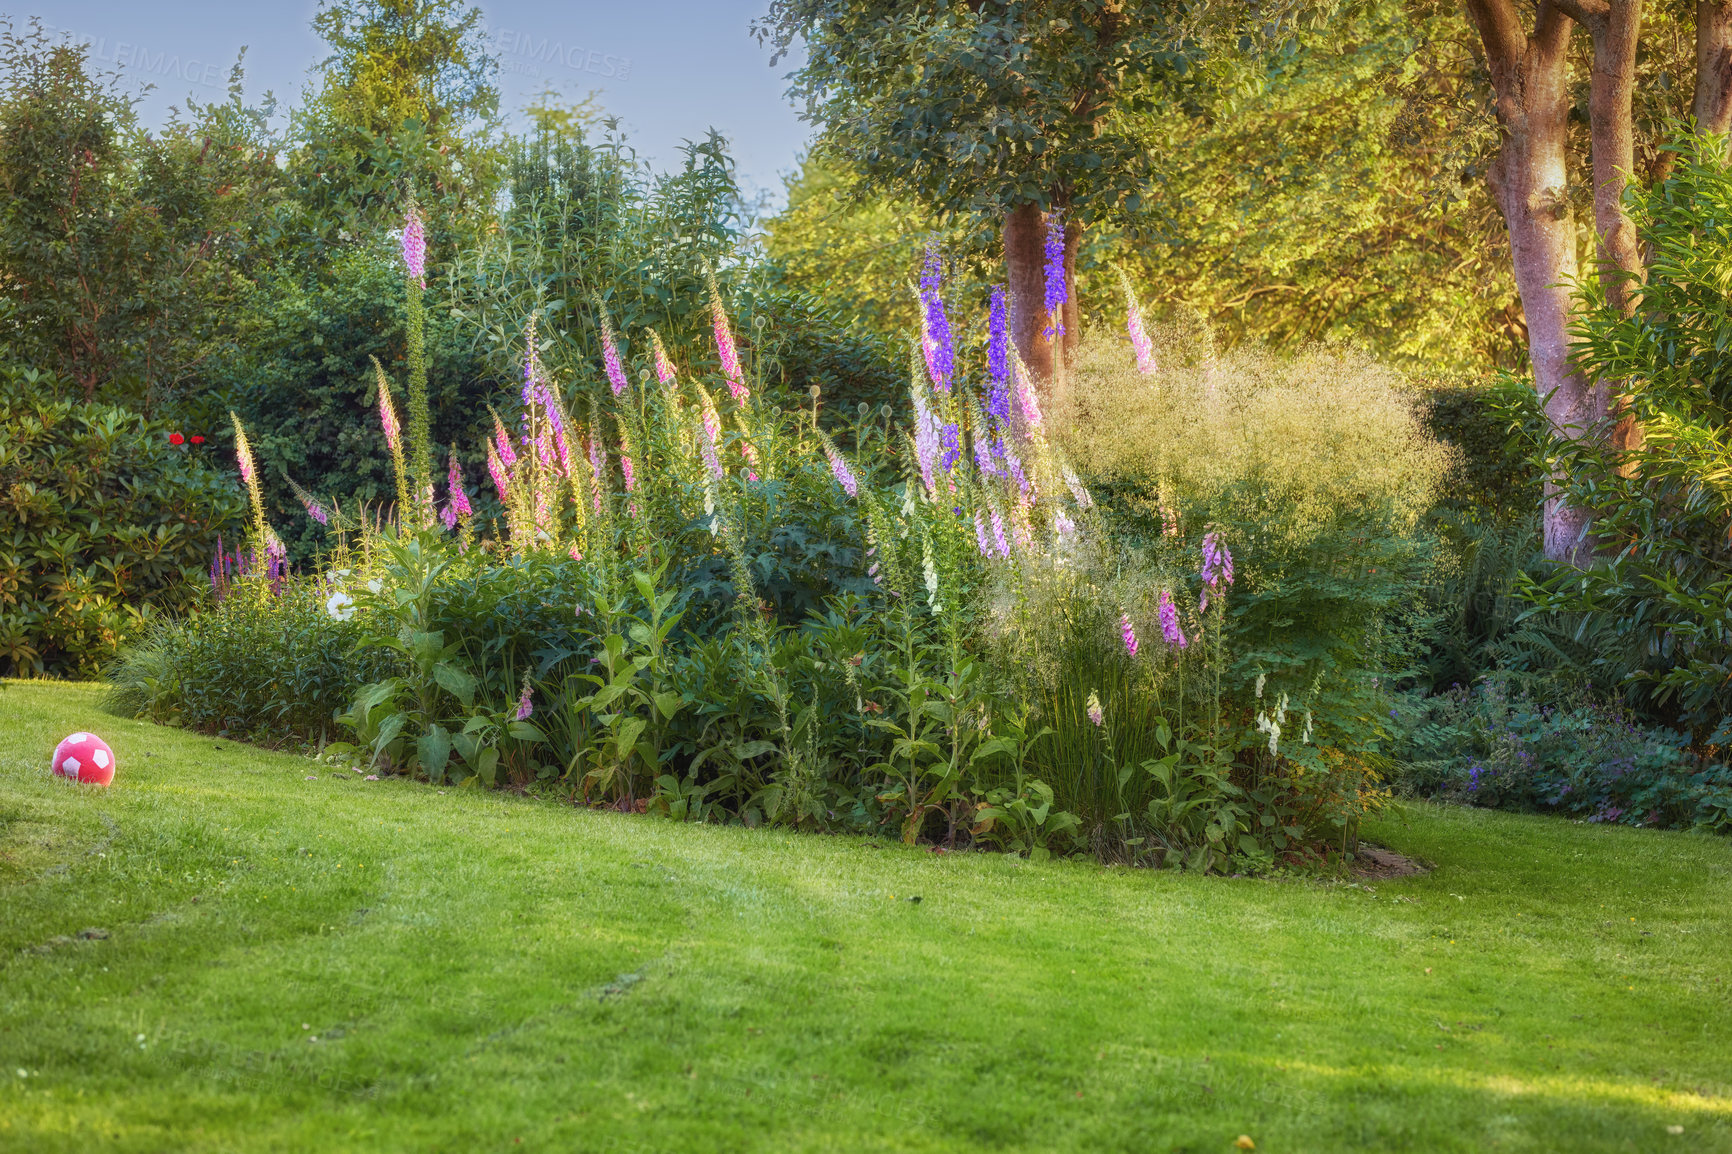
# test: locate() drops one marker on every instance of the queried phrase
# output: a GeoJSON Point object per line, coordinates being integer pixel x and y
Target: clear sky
{"type": "Point", "coordinates": [669, 69]}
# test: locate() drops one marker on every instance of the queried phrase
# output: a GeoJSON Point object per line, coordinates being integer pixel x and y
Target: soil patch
{"type": "Point", "coordinates": [1373, 861]}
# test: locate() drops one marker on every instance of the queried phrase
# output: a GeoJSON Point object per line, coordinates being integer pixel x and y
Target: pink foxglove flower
{"type": "Point", "coordinates": [1169, 614]}
{"type": "Point", "coordinates": [625, 468]}
{"type": "Point", "coordinates": [664, 365]}
{"type": "Point", "coordinates": [610, 353]}
{"type": "Point", "coordinates": [725, 348]}
{"type": "Point", "coordinates": [1093, 709]}
{"type": "Point", "coordinates": [1128, 633]}
{"type": "Point", "coordinates": [388, 417]}
{"type": "Point", "coordinates": [415, 246]}
{"type": "Point", "coordinates": [525, 702]}
{"type": "Point", "coordinates": [1026, 398]}
{"type": "Point", "coordinates": [998, 534]}
{"type": "Point", "coordinates": [496, 470]}
{"type": "Point", "coordinates": [502, 439]}
{"type": "Point", "coordinates": [1140, 343]}
{"type": "Point", "coordinates": [980, 534]}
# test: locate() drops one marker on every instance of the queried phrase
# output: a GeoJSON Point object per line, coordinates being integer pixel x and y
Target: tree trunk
{"type": "Point", "coordinates": [1615, 26]}
{"type": "Point", "coordinates": [1024, 256]}
{"type": "Point", "coordinates": [1530, 182]}
{"type": "Point", "coordinates": [1712, 105]}
{"type": "Point", "coordinates": [1047, 358]}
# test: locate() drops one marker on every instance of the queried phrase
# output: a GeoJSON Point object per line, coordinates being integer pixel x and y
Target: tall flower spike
{"type": "Point", "coordinates": [502, 440]}
{"type": "Point", "coordinates": [1217, 567]}
{"type": "Point", "coordinates": [936, 340]}
{"type": "Point", "coordinates": [1093, 709]}
{"type": "Point", "coordinates": [525, 701]}
{"type": "Point", "coordinates": [1057, 291]}
{"type": "Point", "coordinates": [531, 366]}
{"type": "Point", "coordinates": [1128, 633]}
{"type": "Point", "coordinates": [725, 348]}
{"type": "Point", "coordinates": [1169, 615]}
{"type": "Point", "coordinates": [925, 425]}
{"type": "Point", "coordinates": [496, 470]}
{"type": "Point", "coordinates": [998, 355]}
{"type": "Point", "coordinates": [456, 500]}
{"type": "Point", "coordinates": [388, 417]}
{"type": "Point", "coordinates": [1140, 343]}
{"type": "Point", "coordinates": [1026, 398]}
{"type": "Point", "coordinates": [415, 246]}
{"type": "Point", "coordinates": [310, 503]}
{"type": "Point", "coordinates": [610, 351]}
{"type": "Point", "coordinates": [839, 466]}
{"type": "Point", "coordinates": [664, 364]}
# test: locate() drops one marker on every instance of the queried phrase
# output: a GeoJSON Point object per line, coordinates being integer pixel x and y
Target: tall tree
{"type": "Point", "coordinates": [996, 108]}
{"type": "Point", "coordinates": [1529, 69]}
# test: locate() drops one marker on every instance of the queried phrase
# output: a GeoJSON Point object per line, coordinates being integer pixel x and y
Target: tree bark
{"type": "Point", "coordinates": [1530, 182]}
{"type": "Point", "coordinates": [1024, 255]}
{"type": "Point", "coordinates": [1615, 26]}
{"type": "Point", "coordinates": [1712, 105]}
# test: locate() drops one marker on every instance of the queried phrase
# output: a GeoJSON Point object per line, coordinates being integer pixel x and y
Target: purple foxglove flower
{"type": "Point", "coordinates": [1140, 343]}
{"type": "Point", "coordinates": [925, 433]}
{"type": "Point", "coordinates": [980, 534]}
{"type": "Point", "coordinates": [415, 246]}
{"type": "Point", "coordinates": [1093, 708]}
{"type": "Point", "coordinates": [998, 534]}
{"type": "Point", "coordinates": [1217, 561]}
{"type": "Point", "coordinates": [981, 442]}
{"type": "Point", "coordinates": [1128, 633]}
{"type": "Point", "coordinates": [525, 702]}
{"type": "Point", "coordinates": [610, 354]}
{"type": "Point", "coordinates": [448, 517]}
{"type": "Point", "coordinates": [1169, 614]}
{"type": "Point", "coordinates": [1057, 291]}
{"type": "Point", "coordinates": [839, 468]}
{"type": "Point", "coordinates": [936, 341]}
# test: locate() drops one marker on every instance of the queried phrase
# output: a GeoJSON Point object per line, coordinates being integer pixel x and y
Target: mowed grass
{"type": "Point", "coordinates": [335, 964]}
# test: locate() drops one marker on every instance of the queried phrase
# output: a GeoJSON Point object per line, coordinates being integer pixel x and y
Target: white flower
{"type": "Point", "coordinates": [1306, 740]}
{"type": "Point", "coordinates": [335, 576]}
{"type": "Point", "coordinates": [931, 574]}
{"type": "Point", "coordinates": [1261, 678]}
{"type": "Point", "coordinates": [375, 586]}
{"type": "Point", "coordinates": [340, 606]}
{"type": "Point", "coordinates": [1272, 727]}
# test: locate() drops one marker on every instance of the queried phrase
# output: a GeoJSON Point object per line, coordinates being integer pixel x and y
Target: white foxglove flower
{"type": "Point", "coordinates": [1261, 678]}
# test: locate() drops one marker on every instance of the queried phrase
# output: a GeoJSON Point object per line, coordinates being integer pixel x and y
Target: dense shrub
{"type": "Point", "coordinates": [104, 524]}
{"type": "Point", "coordinates": [1494, 745]}
{"type": "Point", "coordinates": [694, 600]}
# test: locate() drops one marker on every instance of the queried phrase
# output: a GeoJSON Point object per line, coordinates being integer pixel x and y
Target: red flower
{"type": "Point", "coordinates": [175, 438]}
{"type": "Point", "coordinates": [197, 440]}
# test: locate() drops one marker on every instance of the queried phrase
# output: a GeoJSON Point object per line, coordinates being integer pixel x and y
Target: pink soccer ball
{"type": "Point", "coordinates": [84, 758]}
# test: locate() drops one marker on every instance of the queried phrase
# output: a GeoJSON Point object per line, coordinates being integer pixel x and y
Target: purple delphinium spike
{"type": "Point", "coordinates": [949, 439]}
{"type": "Point", "coordinates": [1057, 291]}
{"type": "Point", "coordinates": [935, 324]}
{"type": "Point", "coordinates": [415, 246]}
{"type": "Point", "coordinates": [1169, 614]}
{"type": "Point", "coordinates": [1140, 343]}
{"type": "Point", "coordinates": [1128, 633]}
{"type": "Point", "coordinates": [998, 341]}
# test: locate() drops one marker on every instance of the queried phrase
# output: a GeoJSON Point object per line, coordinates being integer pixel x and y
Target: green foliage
{"type": "Point", "coordinates": [979, 108]}
{"type": "Point", "coordinates": [103, 526]}
{"type": "Point", "coordinates": [1494, 745]}
{"type": "Point", "coordinates": [1660, 602]}
{"type": "Point", "coordinates": [123, 255]}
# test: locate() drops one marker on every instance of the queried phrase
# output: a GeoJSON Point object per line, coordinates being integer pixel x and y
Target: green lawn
{"type": "Point", "coordinates": [336, 964]}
